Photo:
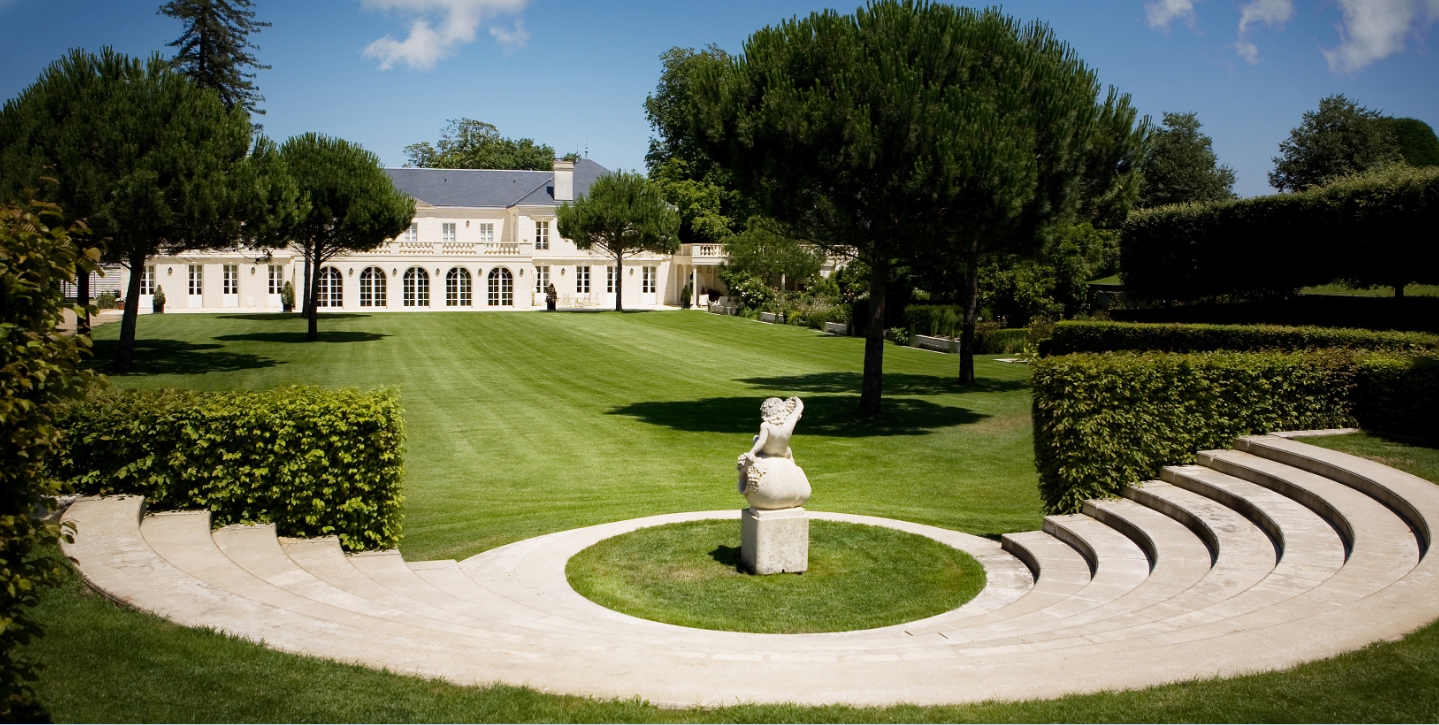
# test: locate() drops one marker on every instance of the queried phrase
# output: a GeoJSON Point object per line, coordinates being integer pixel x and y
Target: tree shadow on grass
{"type": "Point", "coordinates": [177, 357]}
{"type": "Point", "coordinates": [829, 415]}
{"type": "Point", "coordinates": [282, 316]}
{"type": "Point", "coordinates": [894, 384]}
{"type": "Point", "coordinates": [290, 337]}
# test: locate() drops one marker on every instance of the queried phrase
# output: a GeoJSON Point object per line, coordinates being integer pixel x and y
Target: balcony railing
{"type": "Point", "coordinates": [510, 248]}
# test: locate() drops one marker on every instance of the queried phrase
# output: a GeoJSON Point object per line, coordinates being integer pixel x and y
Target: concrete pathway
{"type": "Point", "coordinates": [1258, 558]}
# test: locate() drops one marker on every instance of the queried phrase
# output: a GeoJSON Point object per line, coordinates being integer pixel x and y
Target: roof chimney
{"type": "Point", "coordinates": [564, 180]}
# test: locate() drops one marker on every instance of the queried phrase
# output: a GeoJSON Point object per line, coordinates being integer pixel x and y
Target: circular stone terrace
{"type": "Point", "coordinates": [1258, 558]}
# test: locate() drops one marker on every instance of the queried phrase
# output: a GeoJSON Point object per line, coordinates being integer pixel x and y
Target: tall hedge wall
{"type": "Point", "coordinates": [1102, 422]}
{"type": "Point", "coordinates": [1371, 230]}
{"type": "Point", "coordinates": [314, 462]}
{"type": "Point", "coordinates": [1086, 336]}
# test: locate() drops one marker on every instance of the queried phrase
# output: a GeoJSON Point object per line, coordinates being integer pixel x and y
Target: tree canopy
{"type": "Point", "coordinates": [912, 130]}
{"type": "Point", "coordinates": [764, 251]}
{"type": "Point", "coordinates": [214, 48]}
{"type": "Point", "coordinates": [151, 161]}
{"type": "Point", "coordinates": [348, 202]}
{"type": "Point", "coordinates": [1417, 143]}
{"type": "Point", "coordinates": [470, 144]}
{"type": "Point", "coordinates": [1181, 166]}
{"type": "Point", "coordinates": [1339, 139]}
{"type": "Point", "coordinates": [621, 215]}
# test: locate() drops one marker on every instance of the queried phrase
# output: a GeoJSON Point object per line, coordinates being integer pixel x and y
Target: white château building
{"type": "Point", "coordinates": [481, 240]}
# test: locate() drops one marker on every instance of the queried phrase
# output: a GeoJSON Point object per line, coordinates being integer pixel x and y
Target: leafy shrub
{"type": "Point", "coordinates": [901, 336]}
{"type": "Point", "coordinates": [314, 462]}
{"type": "Point", "coordinates": [1072, 337]}
{"type": "Point", "coordinates": [107, 301]}
{"type": "Point", "coordinates": [934, 320]}
{"type": "Point", "coordinates": [39, 370]}
{"type": "Point", "coordinates": [992, 339]}
{"type": "Point", "coordinates": [1102, 422]}
{"type": "Point", "coordinates": [747, 290]}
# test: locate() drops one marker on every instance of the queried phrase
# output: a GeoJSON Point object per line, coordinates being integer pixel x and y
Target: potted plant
{"type": "Point", "coordinates": [157, 304]}
{"type": "Point", "coordinates": [287, 297]}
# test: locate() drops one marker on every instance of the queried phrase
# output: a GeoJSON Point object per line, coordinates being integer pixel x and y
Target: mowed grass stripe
{"type": "Point", "coordinates": [522, 424]}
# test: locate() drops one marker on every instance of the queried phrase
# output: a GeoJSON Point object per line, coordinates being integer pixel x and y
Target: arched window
{"type": "Point", "coordinates": [372, 287]}
{"type": "Point", "coordinates": [457, 288]}
{"type": "Point", "coordinates": [331, 292]}
{"type": "Point", "coordinates": [417, 287]}
{"type": "Point", "coordinates": [502, 288]}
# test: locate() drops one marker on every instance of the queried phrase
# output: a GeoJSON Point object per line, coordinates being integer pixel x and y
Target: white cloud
{"type": "Point", "coordinates": [1376, 29]}
{"type": "Point", "coordinates": [428, 42]}
{"type": "Point", "coordinates": [511, 40]}
{"type": "Point", "coordinates": [1160, 13]}
{"type": "Point", "coordinates": [1272, 13]}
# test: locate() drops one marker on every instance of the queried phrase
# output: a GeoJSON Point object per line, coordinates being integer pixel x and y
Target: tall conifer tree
{"type": "Point", "coordinates": [215, 48]}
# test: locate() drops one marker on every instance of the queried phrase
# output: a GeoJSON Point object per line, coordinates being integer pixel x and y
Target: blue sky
{"type": "Point", "coordinates": [387, 73]}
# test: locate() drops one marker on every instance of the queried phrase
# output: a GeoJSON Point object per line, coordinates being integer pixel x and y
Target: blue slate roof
{"type": "Point", "coordinates": [492, 188]}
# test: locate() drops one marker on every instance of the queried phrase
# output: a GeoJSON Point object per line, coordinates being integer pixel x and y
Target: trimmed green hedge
{"type": "Point", "coordinates": [1102, 422]}
{"type": "Point", "coordinates": [1080, 336]}
{"type": "Point", "coordinates": [1371, 229]}
{"type": "Point", "coordinates": [314, 462]}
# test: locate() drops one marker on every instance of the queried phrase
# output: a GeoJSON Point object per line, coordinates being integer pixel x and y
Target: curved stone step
{"type": "Point", "coordinates": [1382, 546]}
{"type": "Point", "coordinates": [1216, 603]}
{"type": "Point", "coordinates": [1177, 560]}
{"type": "Point", "coordinates": [1117, 567]}
{"type": "Point", "coordinates": [1412, 498]}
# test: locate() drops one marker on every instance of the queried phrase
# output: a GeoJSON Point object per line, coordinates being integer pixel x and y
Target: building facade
{"type": "Point", "coordinates": [481, 240]}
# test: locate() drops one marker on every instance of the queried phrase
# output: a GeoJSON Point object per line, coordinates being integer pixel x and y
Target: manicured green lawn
{"type": "Point", "coordinates": [859, 577]}
{"type": "Point", "coordinates": [522, 424]}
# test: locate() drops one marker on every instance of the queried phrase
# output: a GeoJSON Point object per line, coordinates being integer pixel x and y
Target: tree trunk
{"type": "Point", "coordinates": [125, 354]}
{"type": "Point", "coordinates": [312, 282]}
{"type": "Point", "coordinates": [619, 283]}
{"type": "Point", "coordinates": [82, 297]}
{"type": "Point", "coordinates": [971, 312]}
{"type": "Point", "coordinates": [305, 291]}
{"type": "Point", "coordinates": [871, 390]}
{"type": "Point", "coordinates": [1399, 290]}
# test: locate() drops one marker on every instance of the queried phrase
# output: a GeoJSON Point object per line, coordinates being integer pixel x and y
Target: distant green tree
{"type": "Point", "coordinates": [150, 160]}
{"type": "Point", "coordinates": [470, 144]}
{"type": "Point", "coordinates": [214, 48]}
{"type": "Point", "coordinates": [1417, 142]}
{"type": "Point", "coordinates": [1339, 139]}
{"type": "Point", "coordinates": [763, 250]}
{"type": "Point", "coordinates": [710, 209]}
{"type": "Point", "coordinates": [1181, 166]}
{"type": "Point", "coordinates": [908, 128]}
{"type": "Point", "coordinates": [621, 215]}
{"type": "Point", "coordinates": [348, 202]}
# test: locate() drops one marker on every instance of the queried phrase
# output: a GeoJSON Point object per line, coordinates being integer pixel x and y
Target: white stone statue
{"type": "Point", "coordinates": [768, 476]}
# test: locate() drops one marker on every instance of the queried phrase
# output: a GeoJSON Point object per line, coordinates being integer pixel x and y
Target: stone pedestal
{"type": "Point", "coordinates": [774, 541]}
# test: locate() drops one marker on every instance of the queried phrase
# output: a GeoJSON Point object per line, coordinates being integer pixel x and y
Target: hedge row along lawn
{"type": "Point", "coordinates": [1103, 421]}
{"type": "Point", "coordinates": [522, 424]}
{"type": "Point", "coordinates": [314, 462]}
{"type": "Point", "coordinates": [1089, 336]}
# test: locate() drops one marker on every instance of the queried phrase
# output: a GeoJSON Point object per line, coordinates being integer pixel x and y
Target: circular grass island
{"type": "Point", "coordinates": [859, 577]}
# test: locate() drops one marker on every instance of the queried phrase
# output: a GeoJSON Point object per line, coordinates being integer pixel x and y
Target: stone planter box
{"type": "Point", "coordinates": [771, 318]}
{"type": "Point", "coordinates": [938, 344]}
{"type": "Point", "coordinates": [836, 328]}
